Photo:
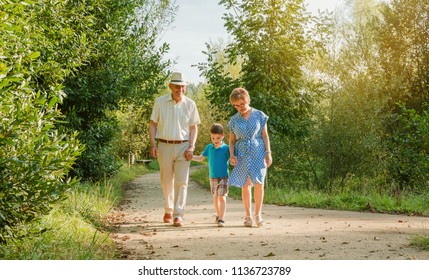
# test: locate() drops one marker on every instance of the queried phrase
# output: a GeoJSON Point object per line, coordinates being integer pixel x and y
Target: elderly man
{"type": "Point", "coordinates": [173, 131]}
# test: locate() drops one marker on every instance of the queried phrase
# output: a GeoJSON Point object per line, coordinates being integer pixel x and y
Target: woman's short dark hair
{"type": "Point", "coordinates": [239, 94]}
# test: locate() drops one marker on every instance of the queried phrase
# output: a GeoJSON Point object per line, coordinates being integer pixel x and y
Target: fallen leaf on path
{"type": "Point", "coordinates": [271, 254]}
{"type": "Point", "coordinates": [125, 238]}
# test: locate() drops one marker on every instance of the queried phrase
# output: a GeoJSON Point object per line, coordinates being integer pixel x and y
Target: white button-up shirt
{"type": "Point", "coordinates": [173, 118]}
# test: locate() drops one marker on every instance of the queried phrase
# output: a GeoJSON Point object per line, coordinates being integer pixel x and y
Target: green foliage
{"type": "Point", "coordinates": [124, 67]}
{"type": "Point", "coordinates": [402, 38]}
{"type": "Point", "coordinates": [379, 108]}
{"type": "Point", "coordinates": [346, 138]}
{"type": "Point", "coordinates": [76, 228]}
{"type": "Point", "coordinates": [421, 242]}
{"type": "Point", "coordinates": [270, 45]}
{"type": "Point", "coordinates": [356, 67]}
{"type": "Point", "coordinates": [347, 141]}
{"type": "Point", "coordinates": [212, 114]}
{"type": "Point", "coordinates": [373, 62]}
{"type": "Point", "coordinates": [35, 157]}
{"type": "Point", "coordinates": [409, 165]}
{"type": "Point", "coordinates": [134, 123]}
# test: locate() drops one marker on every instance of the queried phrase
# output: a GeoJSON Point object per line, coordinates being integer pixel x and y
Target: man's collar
{"type": "Point", "coordinates": [170, 98]}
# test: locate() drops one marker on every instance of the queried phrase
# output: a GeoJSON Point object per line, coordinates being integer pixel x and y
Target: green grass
{"type": "Point", "coordinates": [343, 200]}
{"type": "Point", "coordinates": [421, 242]}
{"type": "Point", "coordinates": [75, 229]}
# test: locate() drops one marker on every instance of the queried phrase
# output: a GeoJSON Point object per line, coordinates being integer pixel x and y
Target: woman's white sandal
{"type": "Point", "coordinates": [248, 222]}
{"type": "Point", "coordinates": [259, 221]}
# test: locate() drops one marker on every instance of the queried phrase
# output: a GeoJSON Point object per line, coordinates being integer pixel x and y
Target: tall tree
{"type": "Point", "coordinates": [403, 38]}
{"type": "Point", "coordinates": [346, 140]}
{"type": "Point", "coordinates": [270, 45]}
{"type": "Point", "coordinates": [125, 66]}
{"type": "Point", "coordinates": [269, 38]}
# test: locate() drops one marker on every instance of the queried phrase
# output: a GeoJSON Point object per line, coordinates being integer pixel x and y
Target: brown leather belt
{"type": "Point", "coordinates": [172, 141]}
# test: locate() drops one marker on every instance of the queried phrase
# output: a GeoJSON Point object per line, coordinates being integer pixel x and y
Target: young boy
{"type": "Point", "coordinates": [218, 156]}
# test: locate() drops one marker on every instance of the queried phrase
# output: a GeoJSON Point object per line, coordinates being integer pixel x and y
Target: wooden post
{"type": "Point", "coordinates": [131, 159]}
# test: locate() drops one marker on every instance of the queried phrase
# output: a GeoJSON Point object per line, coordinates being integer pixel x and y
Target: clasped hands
{"type": "Point", "coordinates": [189, 154]}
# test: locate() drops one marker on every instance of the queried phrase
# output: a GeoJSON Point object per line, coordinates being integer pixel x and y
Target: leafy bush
{"type": "Point", "coordinates": [35, 157]}
{"type": "Point", "coordinates": [409, 151]}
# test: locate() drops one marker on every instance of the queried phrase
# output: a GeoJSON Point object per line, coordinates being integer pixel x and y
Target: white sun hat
{"type": "Point", "coordinates": [178, 78]}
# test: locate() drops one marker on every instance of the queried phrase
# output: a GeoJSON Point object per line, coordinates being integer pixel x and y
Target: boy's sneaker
{"type": "Point", "coordinates": [221, 223]}
{"type": "Point", "coordinates": [217, 220]}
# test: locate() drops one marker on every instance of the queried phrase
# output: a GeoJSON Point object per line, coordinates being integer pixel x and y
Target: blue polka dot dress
{"type": "Point", "coordinates": [249, 148]}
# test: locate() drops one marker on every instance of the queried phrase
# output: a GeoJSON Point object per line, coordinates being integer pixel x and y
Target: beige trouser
{"type": "Point", "coordinates": [174, 170]}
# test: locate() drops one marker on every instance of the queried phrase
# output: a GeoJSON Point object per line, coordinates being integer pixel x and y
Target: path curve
{"type": "Point", "coordinates": [290, 233]}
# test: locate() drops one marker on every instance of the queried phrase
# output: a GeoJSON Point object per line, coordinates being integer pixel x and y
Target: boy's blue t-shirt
{"type": "Point", "coordinates": [218, 160]}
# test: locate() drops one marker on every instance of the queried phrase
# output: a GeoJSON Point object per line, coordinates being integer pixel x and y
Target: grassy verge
{"type": "Point", "coordinates": [75, 228]}
{"type": "Point", "coordinates": [421, 242]}
{"type": "Point", "coordinates": [354, 201]}
{"type": "Point", "coordinates": [346, 200]}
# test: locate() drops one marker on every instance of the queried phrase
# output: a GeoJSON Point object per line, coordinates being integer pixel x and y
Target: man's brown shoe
{"type": "Point", "coordinates": [168, 218]}
{"type": "Point", "coordinates": [177, 222]}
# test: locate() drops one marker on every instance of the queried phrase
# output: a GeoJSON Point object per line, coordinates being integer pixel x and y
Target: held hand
{"type": "Point", "coordinates": [268, 159]}
{"type": "Point", "coordinates": [233, 160]}
{"type": "Point", "coordinates": [188, 154]}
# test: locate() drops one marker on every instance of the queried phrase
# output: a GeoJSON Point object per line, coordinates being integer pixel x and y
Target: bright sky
{"type": "Point", "coordinates": [200, 21]}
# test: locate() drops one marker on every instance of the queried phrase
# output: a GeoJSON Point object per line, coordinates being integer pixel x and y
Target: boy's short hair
{"type": "Point", "coordinates": [216, 128]}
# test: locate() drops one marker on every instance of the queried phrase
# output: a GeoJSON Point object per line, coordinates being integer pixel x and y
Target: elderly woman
{"type": "Point", "coordinates": [250, 151]}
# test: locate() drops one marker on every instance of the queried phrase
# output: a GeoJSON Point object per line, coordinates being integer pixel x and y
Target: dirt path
{"type": "Point", "coordinates": [289, 233]}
